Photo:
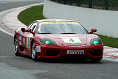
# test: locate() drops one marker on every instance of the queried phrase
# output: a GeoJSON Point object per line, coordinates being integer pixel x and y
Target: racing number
{"type": "Point", "coordinates": [71, 40]}
{"type": "Point", "coordinates": [28, 41]}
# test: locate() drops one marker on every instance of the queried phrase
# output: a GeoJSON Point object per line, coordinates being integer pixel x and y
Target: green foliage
{"type": "Point", "coordinates": [109, 41]}
{"type": "Point", "coordinates": [31, 14]}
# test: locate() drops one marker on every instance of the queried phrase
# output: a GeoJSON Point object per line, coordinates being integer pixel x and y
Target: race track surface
{"type": "Point", "coordinates": [12, 67]}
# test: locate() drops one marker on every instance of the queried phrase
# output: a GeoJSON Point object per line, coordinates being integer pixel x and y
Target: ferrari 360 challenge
{"type": "Point", "coordinates": [57, 38]}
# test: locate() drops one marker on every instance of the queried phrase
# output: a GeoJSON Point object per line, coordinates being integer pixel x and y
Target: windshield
{"type": "Point", "coordinates": [61, 28]}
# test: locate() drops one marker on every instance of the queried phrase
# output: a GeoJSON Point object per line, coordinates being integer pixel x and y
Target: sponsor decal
{"type": "Point", "coordinates": [19, 42]}
{"type": "Point", "coordinates": [59, 22]}
{"type": "Point", "coordinates": [23, 40]}
{"type": "Point", "coordinates": [38, 48]}
{"type": "Point", "coordinates": [30, 35]}
{"type": "Point", "coordinates": [28, 41]}
{"type": "Point", "coordinates": [71, 40]}
{"type": "Point", "coordinates": [20, 36]}
{"type": "Point", "coordinates": [68, 35]}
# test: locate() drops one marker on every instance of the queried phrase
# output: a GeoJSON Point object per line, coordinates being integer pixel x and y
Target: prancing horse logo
{"type": "Point", "coordinates": [71, 40]}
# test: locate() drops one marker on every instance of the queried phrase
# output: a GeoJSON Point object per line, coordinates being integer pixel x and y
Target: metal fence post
{"type": "Point", "coordinates": [78, 2]}
{"type": "Point", "coordinates": [106, 5]}
{"type": "Point", "coordinates": [90, 3]}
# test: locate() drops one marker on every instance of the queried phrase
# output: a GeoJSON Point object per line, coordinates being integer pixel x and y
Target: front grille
{"type": "Point", "coordinates": [52, 53]}
{"type": "Point", "coordinates": [96, 52]}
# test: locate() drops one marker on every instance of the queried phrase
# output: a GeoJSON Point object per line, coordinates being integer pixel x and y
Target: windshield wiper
{"type": "Point", "coordinates": [68, 33]}
{"type": "Point", "coordinates": [44, 33]}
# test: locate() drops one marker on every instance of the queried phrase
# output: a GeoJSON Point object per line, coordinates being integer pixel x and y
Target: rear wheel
{"type": "Point", "coordinates": [34, 56]}
{"type": "Point", "coordinates": [16, 47]}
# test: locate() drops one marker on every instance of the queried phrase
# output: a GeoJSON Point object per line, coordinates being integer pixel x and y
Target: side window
{"type": "Point", "coordinates": [33, 27]}
{"type": "Point", "coordinates": [30, 25]}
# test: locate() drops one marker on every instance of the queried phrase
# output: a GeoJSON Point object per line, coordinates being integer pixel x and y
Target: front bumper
{"type": "Point", "coordinates": [52, 52]}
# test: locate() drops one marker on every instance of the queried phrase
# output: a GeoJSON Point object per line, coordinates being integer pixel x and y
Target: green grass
{"type": "Point", "coordinates": [36, 13]}
{"type": "Point", "coordinates": [31, 14]}
{"type": "Point", "coordinates": [109, 41]}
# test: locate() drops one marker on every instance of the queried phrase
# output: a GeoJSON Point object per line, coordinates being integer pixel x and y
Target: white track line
{"type": "Point", "coordinates": [15, 9]}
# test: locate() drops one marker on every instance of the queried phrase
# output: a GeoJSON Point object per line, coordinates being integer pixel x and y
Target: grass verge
{"type": "Point", "coordinates": [109, 41]}
{"type": "Point", "coordinates": [36, 13]}
{"type": "Point", "coordinates": [31, 14]}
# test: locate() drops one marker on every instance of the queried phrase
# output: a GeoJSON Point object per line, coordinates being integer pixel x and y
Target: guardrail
{"type": "Point", "coordinates": [98, 4]}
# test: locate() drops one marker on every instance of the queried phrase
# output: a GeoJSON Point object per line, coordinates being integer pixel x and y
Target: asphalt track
{"type": "Point", "coordinates": [12, 67]}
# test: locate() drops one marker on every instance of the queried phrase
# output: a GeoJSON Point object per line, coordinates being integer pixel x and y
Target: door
{"type": "Point", "coordinates": [27, 38]}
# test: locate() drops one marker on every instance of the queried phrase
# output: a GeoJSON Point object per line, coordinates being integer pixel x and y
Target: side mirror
{"type": "Point", "coordinates": [93, 30]}
{"type": "Point", "coordinates": [29, 30]}
{"type": "Point", "coordinates": [23, 29]}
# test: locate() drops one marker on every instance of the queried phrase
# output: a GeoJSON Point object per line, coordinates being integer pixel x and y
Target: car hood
{"type": "Point", "coordinates": [69, 39]}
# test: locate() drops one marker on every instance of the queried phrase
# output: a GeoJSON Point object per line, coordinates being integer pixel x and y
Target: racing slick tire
{"type": "Point", "coordinates": [16, 47]}
{"type": "Point", "coordinates": [95, 60]}
{"type": "Point", "coordinates": [34, 56]}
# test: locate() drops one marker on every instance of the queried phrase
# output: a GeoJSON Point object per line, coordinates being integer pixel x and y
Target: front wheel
{"type": "Point", "coordinates": [34, 56]}
{"type": "Point", "coordinates": [16, 47]}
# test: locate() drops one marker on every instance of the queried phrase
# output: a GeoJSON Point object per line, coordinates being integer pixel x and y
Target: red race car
{"type": "Point", "coordinates": [57, 38]}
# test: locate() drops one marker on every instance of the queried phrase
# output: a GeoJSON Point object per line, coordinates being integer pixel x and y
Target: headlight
{"type": "Point", "coordinates": [95, 41]}
{"type": "Point", "coordinates": [48, 41]}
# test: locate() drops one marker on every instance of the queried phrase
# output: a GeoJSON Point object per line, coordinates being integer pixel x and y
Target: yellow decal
{"type": "Point", "coordinates": [58, 22]}
{"type": "Point", "coordinates": [24, 41]}
{"type": "Point", "coordinates": [30, 35]}
{"type": "Point", "coordinates": [71, 40]}
{"type": "Point", "coordinates": [28, 41]}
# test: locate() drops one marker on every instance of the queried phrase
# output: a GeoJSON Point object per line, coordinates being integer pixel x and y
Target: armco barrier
{"type": "Point", "coordinates": [106, 22]}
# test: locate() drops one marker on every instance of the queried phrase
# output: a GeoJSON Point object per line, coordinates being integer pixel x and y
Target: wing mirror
{"type": "Point", "coordinates": [23, 29]}
{"type": "Point", "coordinates": [27, 30]}
{"type": "Point", "coordinates": [93, 30]}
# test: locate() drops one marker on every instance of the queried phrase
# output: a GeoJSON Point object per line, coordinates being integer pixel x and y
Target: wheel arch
{"type": "Point", "coordinates": [15, 37]}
